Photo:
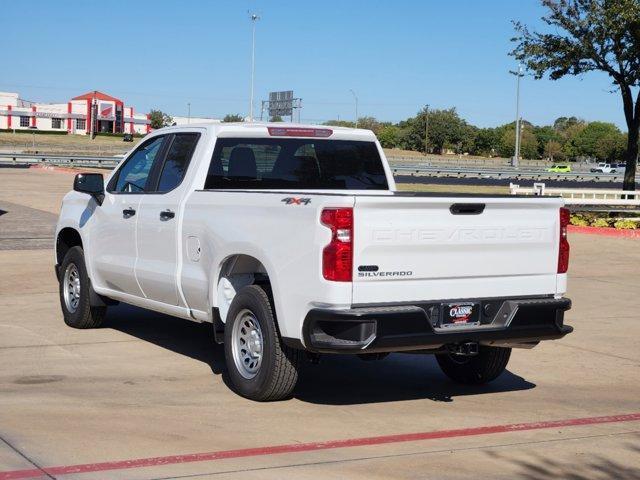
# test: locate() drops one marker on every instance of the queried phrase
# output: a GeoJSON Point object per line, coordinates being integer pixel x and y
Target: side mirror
{"type": "Point", "coordinates": [91, 183]}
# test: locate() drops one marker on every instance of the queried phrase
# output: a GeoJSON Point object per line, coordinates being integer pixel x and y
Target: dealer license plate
{"type": "Point", "coordinates": [460, 314]}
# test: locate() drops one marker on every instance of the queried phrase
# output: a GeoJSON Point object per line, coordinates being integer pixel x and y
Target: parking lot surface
{"type": "Point", "coordinates": [144, 397]}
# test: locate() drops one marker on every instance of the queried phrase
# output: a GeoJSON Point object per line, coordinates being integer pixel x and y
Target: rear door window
{"type": "Point", "coordinates": [177, 160]}
{"type": "Point", "coordinates": [285, 163]}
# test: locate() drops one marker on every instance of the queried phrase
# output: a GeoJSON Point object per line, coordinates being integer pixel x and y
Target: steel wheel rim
{"type": "Point", "coordinates": [71, 288]}
{"type": "Point", "coordinates": [247, 344]}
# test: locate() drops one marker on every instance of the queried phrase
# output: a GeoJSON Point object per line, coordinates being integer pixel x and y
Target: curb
{"type": "Point", "coordinates": [605, 231]}
{"type": "Point", "coordinates": [55, 168]}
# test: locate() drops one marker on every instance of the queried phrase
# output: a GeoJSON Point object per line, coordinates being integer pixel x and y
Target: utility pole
{"type": "Point", "coordinates": [254, 18]}
{"type": "Point", "coordinates": [356, 98]}
{"type": "Point", "coordinates": [516, 155]}
{"type": "Point", "coordinates": [93, 115]}
{"type": "Point", "coordinates": [426, 130]}
{"type": "Point", "coordinates": [188, 112]}
{"type": "Point", "coordinates": [520, 133]}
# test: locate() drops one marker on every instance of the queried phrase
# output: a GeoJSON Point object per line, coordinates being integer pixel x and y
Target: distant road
{"type": "Point", "coordinates": [405, 172]}
{"type": "Point", "coordinates": [423, 180]}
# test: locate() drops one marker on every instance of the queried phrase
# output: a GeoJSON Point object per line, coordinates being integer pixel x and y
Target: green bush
{"type": "Point", "coordinates": [625, 225]}
{"type": "Point", "coordinates": [579, 220]}
{"type": "Point", "coordinates": [600, 222]}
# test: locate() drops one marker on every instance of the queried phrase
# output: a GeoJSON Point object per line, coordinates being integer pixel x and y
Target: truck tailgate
{"type": "Point", "coordinates": [417, 248]}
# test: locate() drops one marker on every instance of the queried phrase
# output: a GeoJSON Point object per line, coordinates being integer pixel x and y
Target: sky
{"type": "Point", "coordinates": [397, 56]}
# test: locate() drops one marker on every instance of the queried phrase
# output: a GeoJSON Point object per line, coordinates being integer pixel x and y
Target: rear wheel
{"type": "Point", "coordinates": [75, 293]}
{"type": "Point", "coordinates": [484, 367]}
{"type": "Point", "coordinates": [260, 366]}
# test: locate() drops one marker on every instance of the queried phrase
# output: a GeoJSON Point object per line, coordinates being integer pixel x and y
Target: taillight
{"type": "Point", "coordinates": [563, 252]}
{"type": "Point", "coordinates": [337, 257]}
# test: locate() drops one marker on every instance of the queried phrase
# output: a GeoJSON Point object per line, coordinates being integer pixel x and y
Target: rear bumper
{"type": "Point", "coordinates": [504, 322]}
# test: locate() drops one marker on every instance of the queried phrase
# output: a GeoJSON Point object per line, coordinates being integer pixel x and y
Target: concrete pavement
{"type": "Point", "coordinates": [150, 386]}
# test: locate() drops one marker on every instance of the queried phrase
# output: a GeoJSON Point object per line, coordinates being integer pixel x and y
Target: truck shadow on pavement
{"type": "Point", "coordinates": [194, 340]}
{"type": "Point", "coordinates": [395, 378]}
{"type": "Point", "coordinates": [336, 380]}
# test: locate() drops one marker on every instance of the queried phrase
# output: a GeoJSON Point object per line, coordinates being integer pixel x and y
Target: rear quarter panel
{"type": "Point", "coordinates": [287, 239]}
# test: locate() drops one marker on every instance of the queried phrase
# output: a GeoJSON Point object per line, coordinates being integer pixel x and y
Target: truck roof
{"type": "Point", "coordinates": [261, 130]}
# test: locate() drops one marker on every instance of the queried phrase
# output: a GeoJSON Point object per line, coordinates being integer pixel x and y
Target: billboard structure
{"type": "Point", "coordinates": [282, 104]}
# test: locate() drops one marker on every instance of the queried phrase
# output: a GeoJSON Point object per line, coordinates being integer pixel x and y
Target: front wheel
{"type": "Point", "coordinates": [74, 292]}
{"type": "Point", "coordinates": [260, 366]}
{"type": "Point", "coordinates": [484, 367]}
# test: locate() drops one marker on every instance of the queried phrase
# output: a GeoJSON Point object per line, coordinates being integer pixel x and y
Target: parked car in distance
{"type": "Point", "coordinates": [560, 169]}
{"type": "Point", "coordinates": [604, 168]}
{"type": "Point", "coordinates": [292, 242]}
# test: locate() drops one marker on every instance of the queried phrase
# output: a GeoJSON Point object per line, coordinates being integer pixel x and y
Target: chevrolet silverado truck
{"type": "Point", "coordinates": [293, 242]}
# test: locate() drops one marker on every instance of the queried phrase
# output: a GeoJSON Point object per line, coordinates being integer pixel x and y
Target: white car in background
{"type": "Point", "coordinates": [604, 168]}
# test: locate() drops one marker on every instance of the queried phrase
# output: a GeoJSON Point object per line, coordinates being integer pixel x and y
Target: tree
{"type": "Point", "coordinates": [553, 150]}
{"type": "Point", "coordinates": [544, 135]}
{"type": "Point", "coordinates": [598, 139]}
{"type": "Point", "coordinates": [528, 142]}
{"type": "Point", "coordinates": [233, 117]}
{"type": "Point", "coordinates": [159, 119]}
{"type": "Point", "coordinates": [563, 123]}
{"type": "Point", "coordinates": [369, 123]}
{"type": "Point", "coordinates": [389, 136]}
{"type": "Point", "coordinates": [276, 118]}
{"type": "Point", "coordinates": [571, 132]}
{"type": "Point", "coordinates": [339, 123]}
{"type": "Point", "coordinates": [585, 36]}
{"type": "Point", "coordinates": [611, 147]}
{"type": "Point", "coordinates": [445, 130]}
{"type": "Point", "coordinates": [486, 142]}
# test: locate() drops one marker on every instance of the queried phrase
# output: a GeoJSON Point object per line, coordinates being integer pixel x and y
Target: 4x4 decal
{"type": "Point", "coordinates": [296, 201]}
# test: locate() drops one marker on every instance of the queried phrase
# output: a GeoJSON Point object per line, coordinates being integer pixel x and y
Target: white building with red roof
{"type": "Point", "coordinates": [85, 114]}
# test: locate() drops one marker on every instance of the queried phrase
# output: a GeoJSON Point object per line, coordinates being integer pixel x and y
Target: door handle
{"type": "Point", "coordinates": [467, 208]}
{"type": "Point", "coordinates": [128, 212]}
{"type": "Point", "coordinates": [167, 215]}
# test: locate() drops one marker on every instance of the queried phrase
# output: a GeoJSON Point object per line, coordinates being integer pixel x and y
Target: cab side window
{"type": "Point", "coordinates": [133, 176]}
{"type": "Point", "coordinates": [177, 160]}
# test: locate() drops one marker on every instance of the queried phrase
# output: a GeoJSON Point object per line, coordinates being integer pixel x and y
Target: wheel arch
{"type": "Point", "coordinates": [66, 239]}
{"type": "Point", "coordinates": [237, 270]}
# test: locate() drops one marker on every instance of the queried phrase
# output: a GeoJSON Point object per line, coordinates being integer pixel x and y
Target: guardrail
{"type": "Point", "coordinates": [490, 163]}
{"type": "Point", "coordinates": [504, 173]}
{"type": "Point", "coordinates": [58, 160]}
{"type": "Point", "coordinates": [507, 173]}
{"type": "Point", "coordinates": [582, 196]}
{"type": "Point", "coordinates": [462, 160]}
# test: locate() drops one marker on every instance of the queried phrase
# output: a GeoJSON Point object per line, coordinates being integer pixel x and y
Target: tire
{"type": "Point", "coordinates": [76, 309]}
{"type": "Point", "coordinates": [482, 368]}
{"type": "Point", "coordinates": [265, 373]}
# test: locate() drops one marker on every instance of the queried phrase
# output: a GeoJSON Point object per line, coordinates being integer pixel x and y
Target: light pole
{"type": "Point", "coordinates": [426, 130]}
{"type": "Point", "coordinates": [516, 155]}
{"type": "Point", "coordinates": [356, 97]}
{"type": "Point", "coordinates": [254, 18]}
{"type": "Point", "coordinates": [188, 112]}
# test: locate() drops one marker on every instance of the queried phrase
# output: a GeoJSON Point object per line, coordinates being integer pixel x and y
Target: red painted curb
{"type": "Point", "coordinates": [54, 168]}
{"type": "Point", "coordinates": [313, 446]}
{"type": "Point", "coordinates": [605, 231]}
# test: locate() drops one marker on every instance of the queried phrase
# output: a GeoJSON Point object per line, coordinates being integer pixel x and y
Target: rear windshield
{"type": "Point", "coordinates": [288, 163]}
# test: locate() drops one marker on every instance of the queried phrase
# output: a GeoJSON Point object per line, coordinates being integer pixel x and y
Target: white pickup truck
{"type": "Point", "coordinates": [604, 168]}
{"type": "Point", "coordinates": [293, 242]}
